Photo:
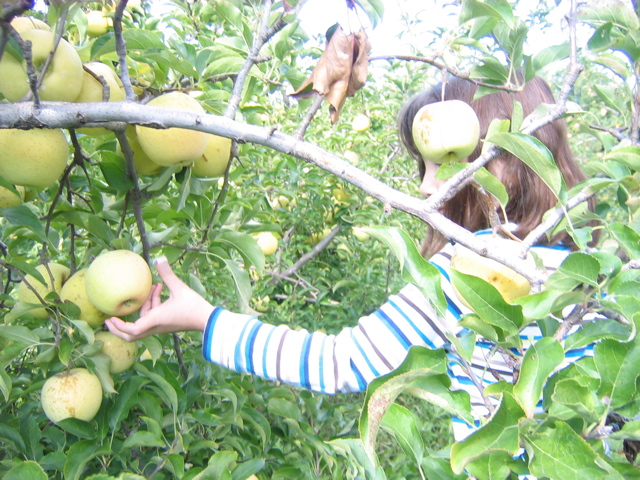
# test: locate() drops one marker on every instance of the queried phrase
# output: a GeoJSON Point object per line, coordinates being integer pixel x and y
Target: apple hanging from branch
{"type": "Point", "coordinates": [446, 132]}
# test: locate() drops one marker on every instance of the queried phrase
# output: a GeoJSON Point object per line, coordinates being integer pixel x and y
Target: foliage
{"type": "Point", "coordinates": [176, 416]}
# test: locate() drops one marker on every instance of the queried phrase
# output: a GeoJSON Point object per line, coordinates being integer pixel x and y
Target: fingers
{"type": "Point", "coordinates": [153, 300]}
{"type": "Point", "coordinates": [167, 275]}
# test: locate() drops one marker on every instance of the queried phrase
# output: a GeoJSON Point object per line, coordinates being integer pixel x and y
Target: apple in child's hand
{"type": "Point", "coordinates": [446, 132]}
{"type": "Point", "coordinates": [118, 282]}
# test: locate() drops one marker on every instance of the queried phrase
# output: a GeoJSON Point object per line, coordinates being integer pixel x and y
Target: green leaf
{"type": "Point", "coordinates": [18, 334]}
{"type": "Point", "coordinates": [127, 398]}
{"type": "Point", "coordinates": [536, 155]}
{"type": "Point", "coordinates": [246, 246]}
{"type": "Point", "coordinates": [143, 439]}
{"type": "Point", "coordinates": [285, 408]}
{"type": "Point", "coordinates": [24, 470]}
{"type": "Point", "coordinates": [242, 281]}
{"type": "Point", "coordinates": [538, 363]}
{"type": "Point", "coordinates": [551, 54]}
{"type": "Point", "coordinates": [487, 303]}
{"type": "Point", "coordinates": [5, 384]}
{"type": "Point", "coordinates": [609, 97]}
{"type": "Point", "coordinates": [401, 422]}
{"type": "Point", "coordinates": [499, 9]}
{"type": "Point", "coordinates": [582, 267]}
{"type": "Point", "coordinates": [382, 391]}
{"type": "Point", "coordinates": [560, 453]}
{"type": "Point", "coordinates": [579, 398]}
{"type": "Point", "coordinates": [436, 389]}
{"type": "Point", "coordinates": [628, 238]}
{"type": "Point", "coordinates": [77, 427]}
{"type": "Point", "coordinates": [595, 330]}
{"type": "Point", "coordinates": [617, 365]}
{"type": "Point", "coordinates": [415, 269]}
{"type": "Point", "coordinates": [79, 454]}
{"type": "Point", "coordinates": [499, 434]}
{"type": "Point", "coordinates": [628, 156]}
{"type": "Point", "coordinates": [21, 215]}
{"type": "Point", "coordinates": [492, 185]}
{"type": "Point", "coordinates": [168, 392]}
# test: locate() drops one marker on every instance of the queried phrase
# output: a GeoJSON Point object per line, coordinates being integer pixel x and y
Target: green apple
{"type": "Point", "coordinates": [340, 195]}
{"type": "Point", "coordinates": [215, 158]}
{"type": "Point", "coordinates": [74, 291]}
{"type": "Point", "coordinates": [9, 199]}
{"type": "Point", "coordinates": [352, 157]}
{"type": "Point", "coordinates": [33, 158]}
{"type": "Point", "coordinates": [361, 123]}
{"type": "Point", "coordinates": [22, 24]}
{"type": "Point", "coordinates": [76, 393]}
{"type": "Point", "coordinates": [446, 132]}
{"type": "Point", "coordinates": [123, 354]}
{"type": "Point", "coordinates": [510, 284]}
{"type": "Point", "coordinates": [92, 90]}
{"type": "Point", "coordinates": [98, 23]}
{"type": "Point", "coordinates": [360, 234]}
{"type": "Point", "coordinates": [267, 242]}
{"type": "Point", "coordinates": [173, 146]}
{"type": "Point", "coordinates": [317, 237]}
{"type": "Point", "coordinates": [118, 282]}
{"type": "Point", "coordinates": [142, 163]}
{"type": "Point", "coordinates": [60, 275]}
{"type": "Point", "coordinates": [63, 79]}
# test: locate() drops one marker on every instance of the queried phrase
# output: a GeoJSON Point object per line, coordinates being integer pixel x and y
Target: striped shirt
{"type": "Point", "coordinates": [348, 361]}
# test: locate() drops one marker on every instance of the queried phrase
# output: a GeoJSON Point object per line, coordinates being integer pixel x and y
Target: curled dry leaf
{"type": "Point", "coordinates": [341, 70]}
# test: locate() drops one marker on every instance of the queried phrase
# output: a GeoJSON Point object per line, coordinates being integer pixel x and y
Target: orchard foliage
{"type": "Point", "coordinates": [299, 170]}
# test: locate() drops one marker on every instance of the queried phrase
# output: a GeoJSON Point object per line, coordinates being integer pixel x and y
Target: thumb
{"type": "Point", "coordinates": [170, 279]}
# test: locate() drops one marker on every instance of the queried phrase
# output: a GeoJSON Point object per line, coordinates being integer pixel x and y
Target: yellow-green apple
{"type": "Point", "coordinates": [22, 24]}
{"type": "Point", "coordinates": [213, 162]}
{"type": "Point", "coordinates": [118, 282]}
{"type": "Point", "coordinates": [60, 274]}
{"type": "Point", "coordinates": [74, 291]}
{"type": "Point", "coordinates": [446, 132]}
{"type": "Point", "coordinates": [98, 23]}
{"type": "Point", "coordinates": [76, 393]}
{"type": "Point", "coordinates": [63, 79]}
{"type": "Point", "coordinates": [122, 353]}
{"type": "Point", "coordinates": [360, 123]}
{"type": "Point", "coordinates": [33, 158]}
{"type": "Point", "coordinates": [281, 202]}
{"type": "Point", "coordinates": [510, 284]}
{"type": "Point", "coordinates": [173, 146]}
{"type": "Point", "coordinates": [360, 234]}
{"type": "Point", "coordinates": [92, 89]}
{"type": "Point", "coordinates": [10, 199]}
{"type": "Point", "coordinates": [141, 161]}
{"type": "Point", "coordinates": [340, 195]}
{"type": "Point", "coordinates": [317, 237]}
{"type": "Point", "coordinates": [267, 242]}
{"type": "Point", "coordinates": [352, 157]}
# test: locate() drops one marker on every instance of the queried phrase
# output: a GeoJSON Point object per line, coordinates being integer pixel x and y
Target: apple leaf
{"type": "Point", "coordinates": [436, 389]}
{"type": "Point", "coordinates": [341, 70]}
{"type": "Point", "coordinates": [5, 384]}
{"type": "Point", "coordinates": [617, 365]}
{"type": "Point", "coordinates": [536, 155]}
{"type": "Point", "coordinates": [561, 453]}
{"type": "Point", "coordinates": [499, 434]}
{"type": "Point", "coordinates": [19, 334]}
{"type": "Point", "coordinates": [487, 303]}
{"type": "Point", "coordinates": [382, 391]}
{"type": "Point", "coordinates": [492, 185]}
{"type": "Point", "coordinates": [582, 267]}
{"type": "Point", "coordinates": [538, 363]}
{"type": "Point", "coordinates": [498, 9]}
{"type": "Point", "coordinates": [415, 269]}
{"type": "Point", "coordinates": [28, 469]}
{"type": "Point", "coordinates": [401, 422]}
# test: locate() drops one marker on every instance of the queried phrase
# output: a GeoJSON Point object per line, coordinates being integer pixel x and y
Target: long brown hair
{"type": "Point", "coordinates": [529, 197]}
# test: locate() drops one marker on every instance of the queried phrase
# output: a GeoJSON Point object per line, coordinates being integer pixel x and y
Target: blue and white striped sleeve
{"type": "Point", "coordinates": [345, 362]}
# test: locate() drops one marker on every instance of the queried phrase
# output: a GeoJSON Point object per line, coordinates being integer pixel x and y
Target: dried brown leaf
{"type": "Point", "coordinates": [340, 71]}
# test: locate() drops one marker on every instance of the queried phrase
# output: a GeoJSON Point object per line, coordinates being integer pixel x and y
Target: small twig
{"type": "Point", "coordinates": [121, 50]}
{"type": "Point", "coordinates": [304, 259]}
{"type": "Point", "coordinates": [136, 197]}
{"type": "Point", "coordinates": [306, 121]}
{"type": "Point", "coordinates": [575, 317]}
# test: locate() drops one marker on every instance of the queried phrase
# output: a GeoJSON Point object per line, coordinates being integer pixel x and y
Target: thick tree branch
{"type": "Point", "coordinates": [69, 115]}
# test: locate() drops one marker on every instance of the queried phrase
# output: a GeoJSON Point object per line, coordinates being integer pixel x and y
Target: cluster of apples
{"type": "Point", "coordinates": [37, 158]}
{"type": "Point", "coordinates": [116, 283]}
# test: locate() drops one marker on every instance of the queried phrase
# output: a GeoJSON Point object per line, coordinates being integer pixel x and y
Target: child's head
{"type": "Point", "coordinates": [529, 197]}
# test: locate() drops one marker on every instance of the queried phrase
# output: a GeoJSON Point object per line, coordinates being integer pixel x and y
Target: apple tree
{"type": "Point", "coordinates": [107, 114]}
